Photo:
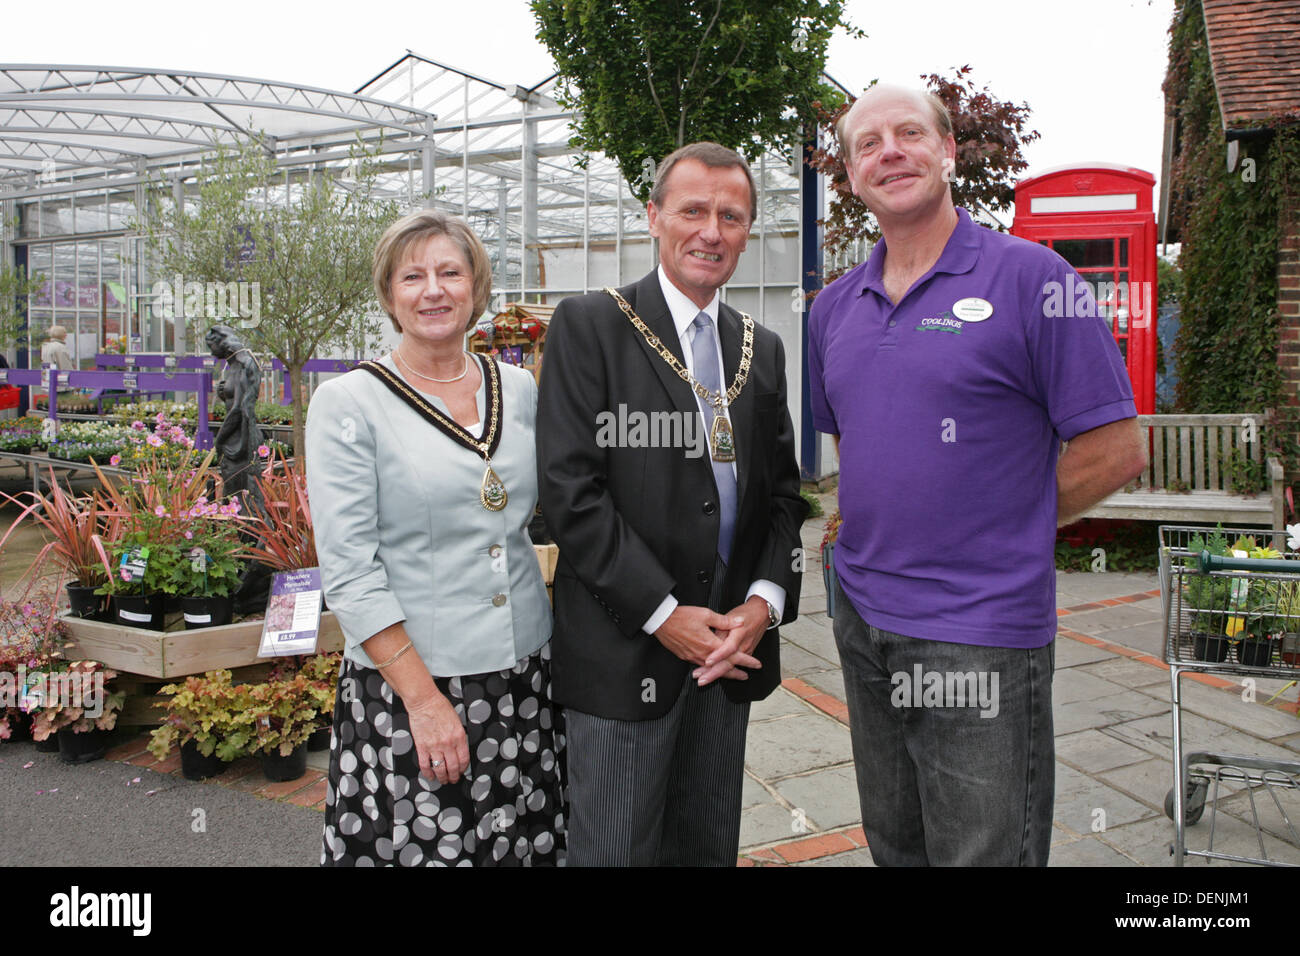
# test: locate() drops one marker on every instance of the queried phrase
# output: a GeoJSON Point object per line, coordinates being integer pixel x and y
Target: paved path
{"type": "Point", "coordinates": [1114, 765]}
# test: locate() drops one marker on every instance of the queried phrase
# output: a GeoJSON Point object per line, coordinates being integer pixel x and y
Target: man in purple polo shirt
{"type": "Point", "coordinates": [949, 391]}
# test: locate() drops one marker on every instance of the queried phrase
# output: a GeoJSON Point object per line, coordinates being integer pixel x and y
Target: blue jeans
{"type": "Point", "coordinates": [952, 745]}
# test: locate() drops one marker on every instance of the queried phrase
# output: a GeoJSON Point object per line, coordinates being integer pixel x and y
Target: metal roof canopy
{"type": "Point", "coordinates": [102, 126]}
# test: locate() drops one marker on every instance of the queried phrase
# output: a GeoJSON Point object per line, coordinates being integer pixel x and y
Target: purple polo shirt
{"type": "Point", "coordinates": [950, 423]}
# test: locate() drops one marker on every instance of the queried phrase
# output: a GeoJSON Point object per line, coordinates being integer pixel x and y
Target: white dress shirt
{"type": "Point", "coordinates": [684, 311]}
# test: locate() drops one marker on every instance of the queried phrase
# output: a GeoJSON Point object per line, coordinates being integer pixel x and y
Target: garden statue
{"type": "Point", "coordinates": [239, 436]}
{"type": "Point", "coordinates": [237, 443]}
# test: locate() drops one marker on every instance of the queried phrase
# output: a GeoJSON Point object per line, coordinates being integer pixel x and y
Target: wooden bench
{"type": "Point", "coordinates": [1189, 477]}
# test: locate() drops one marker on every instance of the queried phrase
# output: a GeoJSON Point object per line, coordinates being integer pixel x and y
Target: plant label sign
{"type": "Point", "coordinates": [128, 380]}
{"type": "Point", "coordinates": [292, 624]}
{"type": "Point", "coordinates": [133, 563]}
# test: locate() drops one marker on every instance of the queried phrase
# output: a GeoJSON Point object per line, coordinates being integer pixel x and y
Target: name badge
{"type": "Point", "coordinates": [972, 309]}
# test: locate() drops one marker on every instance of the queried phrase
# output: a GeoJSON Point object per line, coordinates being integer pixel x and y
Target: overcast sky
{"type": "Point", "coordinates": [1091, 73]}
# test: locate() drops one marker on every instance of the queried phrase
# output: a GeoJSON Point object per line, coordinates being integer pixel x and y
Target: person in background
{"type": "Point", "coordinates": [54, 351]}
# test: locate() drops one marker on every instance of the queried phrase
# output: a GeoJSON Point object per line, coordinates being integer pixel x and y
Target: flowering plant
{"type": "Point", "coordinates": [115, 345]}
{"type": "Point", "coordinates": [164, 509]}
{"type": "Point", "coordinates": [31, 638]}
{"type": "Point", "coordinates": [211, 554]}
{"type": "Point", "coordinates": [832, 529]}
{"type": "Point", "coordinates": [162, 443]}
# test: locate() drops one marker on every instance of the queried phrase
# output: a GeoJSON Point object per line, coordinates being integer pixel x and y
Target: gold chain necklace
{"type": "Point", "coordinates": [715, 399]}
{"type": "Point", "coordinates": [722, 440]}
{"type": "Point", "coordinates": [492, 492]}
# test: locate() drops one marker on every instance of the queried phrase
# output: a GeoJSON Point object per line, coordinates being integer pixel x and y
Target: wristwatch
{"type": "Point", "coordinates": [773, 619]}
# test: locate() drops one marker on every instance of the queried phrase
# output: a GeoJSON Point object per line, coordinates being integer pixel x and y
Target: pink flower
{"type": "Point", "coordinates": [160, 511]}
{"type": "Point", "coordinates": [189, 534]}
{"type": "Point", "coordinates": [126, 575]}
{"type": "Point", "coordinates": [263, 451]}
{"type": "Point", "coordinates": [160, 418]}
{"type": "Point", "coordinates": [203, 499]}
{"type": "Point", "coordinates": [115, 460]}
{"type": "Point", "coordinates": [234, 506]}
{"type": "Point", "coordinates": [154, 440]}
{"type": "Point", "coordinates": [138, 426]}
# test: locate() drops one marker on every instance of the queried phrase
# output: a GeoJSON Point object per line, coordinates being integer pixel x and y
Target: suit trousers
{"type": "Point", "coordinates": [663, 792]}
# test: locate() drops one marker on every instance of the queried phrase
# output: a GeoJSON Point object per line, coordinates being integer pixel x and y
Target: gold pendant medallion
{"type": "Point", "coordinates": [493, 491]}
{"type": "Point", "coordinates": [722, 442]}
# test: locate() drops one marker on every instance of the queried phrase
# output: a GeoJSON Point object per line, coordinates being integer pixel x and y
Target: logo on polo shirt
{"type": "Point", "coordinates": [954, 319]}
{"type": "Point", "coordinates": [945, 321]}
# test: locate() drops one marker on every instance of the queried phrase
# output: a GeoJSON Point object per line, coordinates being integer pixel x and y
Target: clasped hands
{"type": "Point", "coordinates": [719, 643]}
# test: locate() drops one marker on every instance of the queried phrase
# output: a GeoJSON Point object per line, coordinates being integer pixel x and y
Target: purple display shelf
{"type": "Point", "coordinates": [52, 379]}
{"type": "Point", "coordinates": [106, 360]}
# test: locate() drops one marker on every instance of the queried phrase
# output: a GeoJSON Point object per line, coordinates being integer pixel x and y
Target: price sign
{"type": "Point", "coordinates": [129, 360]}
{"type": "Point", "coordinates": [169, 361]}
{"type": "Point", "coordinates": [4, 375]}
{"type": "Point", "coordinates": [128, 380]}
{"type": "Point", "coordinates": [209, 361]}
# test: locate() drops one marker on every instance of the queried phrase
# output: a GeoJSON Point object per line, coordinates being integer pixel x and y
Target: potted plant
{"type": "Point", "coordinates": [155, 511]}
{"type": "Point", "coordinates": [145, 572]}
{"type": "Point", "coordinates": [76, 528]}
{"type": "Point", "coordinates": [77, 704]}
{"type": "Point", "coordinates": [828, 559]}
{"type": "Point", "coordinates": [212, 720]}
{"type": "Point", "coordinates": [1208, 597]}
{"type": "Point", "coordinates": [286, 540]}
{"type": "Point", "coordinates": [209, 568]}
{"type": "Point", "coordinates": [285, 712]}
{"type": "Point", "coordinates": [322, 674]}
{"type": "Point", "coordinates": [31, 638]}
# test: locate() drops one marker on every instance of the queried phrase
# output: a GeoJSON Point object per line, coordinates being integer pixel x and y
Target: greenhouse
{"type": "Point", "coordinates": [86, 152]}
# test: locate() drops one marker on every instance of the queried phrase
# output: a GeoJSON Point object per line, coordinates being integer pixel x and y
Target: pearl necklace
{"type": "Point", "coordinates": [429, 378]}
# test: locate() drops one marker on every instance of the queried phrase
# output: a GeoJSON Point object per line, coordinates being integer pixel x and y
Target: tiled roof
{"type": "Point", "coordinates": [1255, 55]}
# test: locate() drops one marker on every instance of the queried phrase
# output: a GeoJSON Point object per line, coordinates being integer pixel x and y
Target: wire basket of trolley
{"type": "Point", "coordinates": [1232, 608]}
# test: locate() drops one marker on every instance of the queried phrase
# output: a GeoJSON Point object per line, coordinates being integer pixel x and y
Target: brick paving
{"type": "Point", "coordinates": [1113, 749]}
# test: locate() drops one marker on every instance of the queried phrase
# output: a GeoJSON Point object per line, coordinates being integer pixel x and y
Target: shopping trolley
{"type": "Point", "coordinates": [1231, 616]}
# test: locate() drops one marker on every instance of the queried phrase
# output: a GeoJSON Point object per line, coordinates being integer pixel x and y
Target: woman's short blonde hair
{"type": "Point", "coordinates": [417, 227]}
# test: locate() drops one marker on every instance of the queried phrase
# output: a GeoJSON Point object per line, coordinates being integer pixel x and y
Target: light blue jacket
{"type": "Point", "coordinates": [401, 533]}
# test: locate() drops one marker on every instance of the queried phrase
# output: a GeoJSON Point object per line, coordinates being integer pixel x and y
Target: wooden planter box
{"type": "Point", "coordinates": [175, 654]}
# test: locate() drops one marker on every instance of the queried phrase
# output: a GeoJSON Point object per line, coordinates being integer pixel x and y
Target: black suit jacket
{"type": "Point", "coordinates": [636, 524]}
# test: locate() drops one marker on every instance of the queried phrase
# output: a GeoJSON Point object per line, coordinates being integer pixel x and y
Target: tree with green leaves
{"type": "Point", "coordinates": [989, 134]}
{"type": "Point", "coordinates": [15, 287]}
{"type": "Point", "coordinates": [648, 76]}
{"type": "Point", "coordinates": [302, 252]}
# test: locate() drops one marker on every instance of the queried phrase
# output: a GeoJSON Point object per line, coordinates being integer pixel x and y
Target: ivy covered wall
{"type": "Point", "coordinates": [1231, 225]}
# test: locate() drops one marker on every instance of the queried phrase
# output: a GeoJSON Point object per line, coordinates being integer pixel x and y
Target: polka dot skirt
{"type": "Point", "coordinates": [507, 811]}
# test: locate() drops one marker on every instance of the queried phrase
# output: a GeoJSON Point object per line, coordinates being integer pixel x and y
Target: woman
{"type": "Point", "coordinates": [55, 349]}
{"type": "Point", "coordinates": [421, 474]}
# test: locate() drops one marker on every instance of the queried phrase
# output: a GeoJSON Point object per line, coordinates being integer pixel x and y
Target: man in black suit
{"type": "Point", "coordinates": [670, 484]}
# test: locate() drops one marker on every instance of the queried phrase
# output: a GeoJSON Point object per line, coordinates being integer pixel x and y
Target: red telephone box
{"type": "Point", "coordinates": [1099, 218]}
